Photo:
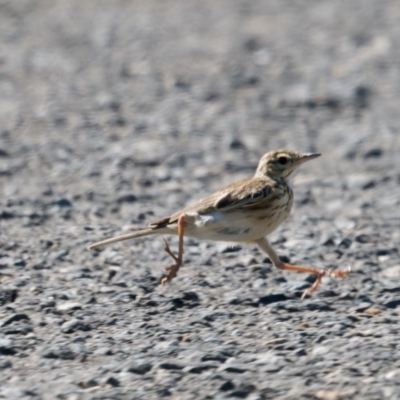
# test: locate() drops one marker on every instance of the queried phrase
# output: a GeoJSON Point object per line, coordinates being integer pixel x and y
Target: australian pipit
{"type": "Point", "coordinates": [245, 211]}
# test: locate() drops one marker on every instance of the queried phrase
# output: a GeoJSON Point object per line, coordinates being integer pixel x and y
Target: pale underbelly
{"type": "Point", "coordinates": [234, 226]}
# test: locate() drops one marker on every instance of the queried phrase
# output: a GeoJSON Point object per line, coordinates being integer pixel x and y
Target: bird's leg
{"type": "Point", "coordinates": [174, 268]}
{"type": "Point", "coordinates": [263, 244]}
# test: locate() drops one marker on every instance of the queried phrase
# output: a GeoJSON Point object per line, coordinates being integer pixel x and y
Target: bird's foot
{"type": "Point", "coordinates": [172, 269]}
{"type": "Point", "coordinates": [340, 273]}
{"type": "Point", "coordinates": [172, 272]}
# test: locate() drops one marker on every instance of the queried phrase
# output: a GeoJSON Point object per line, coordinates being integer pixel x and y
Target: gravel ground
{"type": "Point", "coordinates": [113, 114]}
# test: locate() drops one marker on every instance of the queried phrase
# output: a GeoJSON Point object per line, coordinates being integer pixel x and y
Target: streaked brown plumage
{"type": "Point", "coordinates": [245, 211]}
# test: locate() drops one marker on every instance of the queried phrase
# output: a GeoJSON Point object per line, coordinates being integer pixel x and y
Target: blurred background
{"type": "Point", "coordinates": [123, 83]}
{"type": "Point", "coordinates": [114, 113]}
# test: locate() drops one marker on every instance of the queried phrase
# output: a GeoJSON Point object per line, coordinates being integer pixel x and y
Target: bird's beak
{"type": "Point", "coordinates": [307, 157]}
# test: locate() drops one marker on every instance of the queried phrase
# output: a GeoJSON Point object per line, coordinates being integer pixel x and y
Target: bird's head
{"type": "Point", "coordinates": [282, 163]}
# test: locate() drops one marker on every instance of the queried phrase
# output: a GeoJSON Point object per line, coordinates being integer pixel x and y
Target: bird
{"type": "Point", "coordinates": [246, 211]}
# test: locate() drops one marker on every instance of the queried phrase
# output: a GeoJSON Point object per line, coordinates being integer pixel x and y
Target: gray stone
{"type": "Point", "coordinates": [234, 368]}
{"type": "Point", "coordinates": [5, 363]}
{"type": "Point", "coordinates": [138, 368]}
{"type": "Point", "coordinates": [199, 368]}
{"type": "Point", "coordinates": [170, 365]}
{"type": "Point", "coordinates": [75, 325]}
{"type": "Point", "coordinates": [6, 346]}
{"type": "Point", "coordinates": [73, 305]}
{"type": "Point", "coordinates": [13, 318]}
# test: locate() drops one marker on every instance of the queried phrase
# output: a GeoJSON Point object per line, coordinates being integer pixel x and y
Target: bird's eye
{"type": "Point", "coordinates": [282, 160]}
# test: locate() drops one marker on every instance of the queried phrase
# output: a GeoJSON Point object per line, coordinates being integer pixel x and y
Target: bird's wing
{"type": "Point", "coordinates": [251, 193]}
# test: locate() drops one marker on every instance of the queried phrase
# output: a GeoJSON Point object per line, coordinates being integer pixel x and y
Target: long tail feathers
{"type": "Point", "coordinates": [143, 232]}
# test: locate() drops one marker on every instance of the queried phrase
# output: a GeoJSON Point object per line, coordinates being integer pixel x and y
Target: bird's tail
{"type": "Point", "coordinates": [133, 235]}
